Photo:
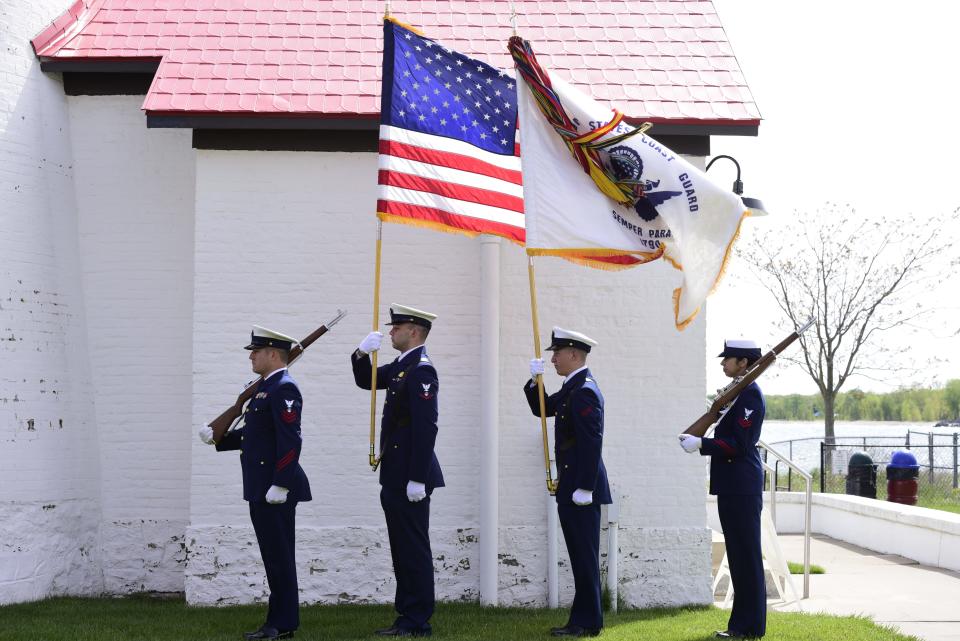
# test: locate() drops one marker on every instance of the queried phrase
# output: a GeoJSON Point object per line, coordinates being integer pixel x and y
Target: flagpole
{"type": "Point", "coordinates": [374, 460]}
{"type": "Point", "coordinates": [551, 485]}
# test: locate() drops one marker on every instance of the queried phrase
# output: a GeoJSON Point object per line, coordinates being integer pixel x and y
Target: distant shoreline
{"type": "Point", "coordinates": [917, 405]}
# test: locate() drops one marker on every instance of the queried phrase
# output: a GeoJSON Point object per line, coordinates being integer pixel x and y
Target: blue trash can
{"type": "Point", "coordinates": [902, 475]}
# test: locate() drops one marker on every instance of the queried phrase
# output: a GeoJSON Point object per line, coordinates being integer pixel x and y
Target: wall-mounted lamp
{"type": "Point", "coordinates": [755, 205]}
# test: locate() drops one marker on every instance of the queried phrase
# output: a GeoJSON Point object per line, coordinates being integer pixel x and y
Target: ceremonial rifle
{"type": "Point", "coordinates": [727, 395]}
{"type": "Point", "coordinates": [226, 420]}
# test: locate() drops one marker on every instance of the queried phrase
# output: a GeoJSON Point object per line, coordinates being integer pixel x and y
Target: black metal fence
{"type": "Point", "coordinates": [938, 485]}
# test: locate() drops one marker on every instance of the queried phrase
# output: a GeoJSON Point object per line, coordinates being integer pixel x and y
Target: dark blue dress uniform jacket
{"type": "Point", "coordinates": [578, 436]}
{"type": "Point", "coordinates": [270, 441]}
{"type": "Point", "coordinates": [735, 466]}
{"type": "Point", "coordinates": [736, 477]}
{"type": "Point", "coordinates": [408, 429]}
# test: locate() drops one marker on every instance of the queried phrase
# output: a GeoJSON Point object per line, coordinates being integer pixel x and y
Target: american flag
{"type": "Point", "coordinates": [449, 155]}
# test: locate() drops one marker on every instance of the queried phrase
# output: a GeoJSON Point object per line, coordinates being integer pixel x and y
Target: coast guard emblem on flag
{"type": "Point", "coordinates": [627, 165]}
{"type": "Point", "coordinates": [289, 415]}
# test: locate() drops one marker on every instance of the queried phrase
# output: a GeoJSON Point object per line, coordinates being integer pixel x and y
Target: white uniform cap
{"type": "Point", "coordinates": [740, 348]}
{"type": "Point", "coordinates": [402, 314]}
{"type": "Point", "coordinates": [263, 337]}
{"type": "Point", "coordinates": [569, 338]}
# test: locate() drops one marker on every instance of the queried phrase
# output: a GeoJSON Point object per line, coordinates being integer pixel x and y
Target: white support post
{"type": "Point", "coordinates": [613, 550]}
{"type": "Point", "coordinates": [553, 553]}
{"type": "Point", "coordinates": [489, 417]}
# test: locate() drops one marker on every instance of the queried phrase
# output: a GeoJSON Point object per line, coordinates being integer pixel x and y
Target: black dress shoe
{"type": "Point", "coordinates": [268, 633]}
{"type": "Point", "coordinates": [574, 631]}
{"type": "Point", "coordinates": [733, 634]}
{"type": "Point", "coordinates": [387, 632]}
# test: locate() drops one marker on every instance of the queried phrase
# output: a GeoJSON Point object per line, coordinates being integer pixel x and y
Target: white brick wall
{"type": "Point", "coordinates": [132, 267]}
{"type": "Point", "coordinates": [288, 264]}
{"type": "Point", "coordinates": [49, 490]}
{"type": "Point", "coordinates": [135, 193]}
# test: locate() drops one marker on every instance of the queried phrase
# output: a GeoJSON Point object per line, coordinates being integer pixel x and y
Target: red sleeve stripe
{"type": "Point", "coordinates": [287, 459]}
{"type": "Point", "coordinates": [725, 446]}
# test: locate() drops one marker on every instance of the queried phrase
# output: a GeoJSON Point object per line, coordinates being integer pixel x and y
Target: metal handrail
{"type": "Point", "coordinates": [808, 503]}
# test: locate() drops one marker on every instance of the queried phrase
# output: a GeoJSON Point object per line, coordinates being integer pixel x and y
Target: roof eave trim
{"type": "Point", "coordinates": [146, 64]}
{"type": "Point", "coordinates": [195, 120]}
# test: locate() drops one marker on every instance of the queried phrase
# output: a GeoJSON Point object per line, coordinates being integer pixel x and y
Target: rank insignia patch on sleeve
{"type": "Point", "coordinates": [288, 415]}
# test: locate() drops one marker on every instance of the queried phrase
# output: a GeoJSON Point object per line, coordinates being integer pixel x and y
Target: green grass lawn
{"type": "Point", "coordinates": [143, 619]}
{"type": "Point", "coordinates": [797, 568]}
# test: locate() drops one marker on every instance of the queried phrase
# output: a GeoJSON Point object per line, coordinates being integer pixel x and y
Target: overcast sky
{"type": "Point", "coordinates": [859, 106]}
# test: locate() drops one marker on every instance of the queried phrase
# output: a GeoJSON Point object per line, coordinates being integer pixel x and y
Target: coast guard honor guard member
{"type": "Point", "coordinates": [736, 478]}
{"type": "Point", "coordinates": [582, 484]}
{"type": "Point", "coordinates": [273, 481]}
{"type": "Point", "coordinates": [409, 470]}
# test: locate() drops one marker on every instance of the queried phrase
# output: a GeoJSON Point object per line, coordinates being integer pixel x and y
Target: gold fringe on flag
{"type": "Point", "coordinates": [594, 257]}
{"type": "Point", "coordinates": [406, 26]}
{"type": "Point", "coordinates": [682, 324]}
{"type": "Point", "coordinates": [436, 226]}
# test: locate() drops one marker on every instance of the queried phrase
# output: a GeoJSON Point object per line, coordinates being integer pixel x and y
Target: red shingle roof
{"type": "Point", "coordinates": [663, 60]}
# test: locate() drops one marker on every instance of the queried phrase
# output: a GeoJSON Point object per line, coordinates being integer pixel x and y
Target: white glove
{"type": "Point", "coordinates": [536, 367]}
{"type": "Point", "coordinates": [371, 343]}
{"type": "Point", "coordinates": [416, 491]}
{"type": "Point", "coordinates": [690, 443]}
{"type": "Point", "coordinates": [277, 495]}
{"type": "Point", "coordinates": [206, 434]}
{"type": "Point", "coordinates": [582, 497]}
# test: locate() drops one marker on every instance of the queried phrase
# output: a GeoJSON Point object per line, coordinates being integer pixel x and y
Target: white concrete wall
{"type": "Point", "coordinates": [930, 537]}
{"type": "Point", "coordinates": [135, 193]}
{"type": "Point", "coordinates": [290, 263]}
{"type": "Point", "coordinates": [49, 489]}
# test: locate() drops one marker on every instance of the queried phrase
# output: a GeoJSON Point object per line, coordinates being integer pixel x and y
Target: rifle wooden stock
{"type": "Point", "coordinates": [731, 391]}
{"type": "Point", "coordinates": [222, 423]}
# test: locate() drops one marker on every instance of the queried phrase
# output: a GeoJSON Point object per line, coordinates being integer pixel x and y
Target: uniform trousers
{"type": "Point", "coordinates": [275, 528]}
{"type": "Point", "coordinates": [408, 528]}
{"type": "Point", "coordinates": [740, 520]}
{"type": "Point", "coordinates": [581, 531]}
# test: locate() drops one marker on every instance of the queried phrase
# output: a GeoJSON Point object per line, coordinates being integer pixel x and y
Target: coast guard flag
{"type": "Point", "coordinates": [448, 140]}
{"type": "Point", "coordinates": [595, 187]}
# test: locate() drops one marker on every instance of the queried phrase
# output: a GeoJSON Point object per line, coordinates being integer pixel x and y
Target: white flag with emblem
{"type": "Point", "coordinates": [610, 201]}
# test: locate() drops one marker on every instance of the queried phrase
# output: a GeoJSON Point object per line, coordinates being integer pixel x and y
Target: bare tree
{"type": "Point", "coordinates": [862, 282]}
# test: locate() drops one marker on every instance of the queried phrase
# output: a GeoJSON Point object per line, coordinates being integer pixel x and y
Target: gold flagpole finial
{"type": "Point", "coordinates": [386, 10]}
{"type": "Point", "coordinates": [513, 16]}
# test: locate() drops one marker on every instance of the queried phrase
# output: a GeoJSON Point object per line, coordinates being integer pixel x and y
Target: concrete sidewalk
{"type": "Point", "coordinates": [891, 590]}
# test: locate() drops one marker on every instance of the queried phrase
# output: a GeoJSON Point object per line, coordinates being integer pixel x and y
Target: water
{"type": "Point", "coordinates": [806, 453]}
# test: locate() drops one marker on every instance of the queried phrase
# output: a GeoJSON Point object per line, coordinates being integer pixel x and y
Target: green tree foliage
{"type": "Point", "coordinates": [913, 404]}
{"type": "Point", "coordinates": [951, 397]}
